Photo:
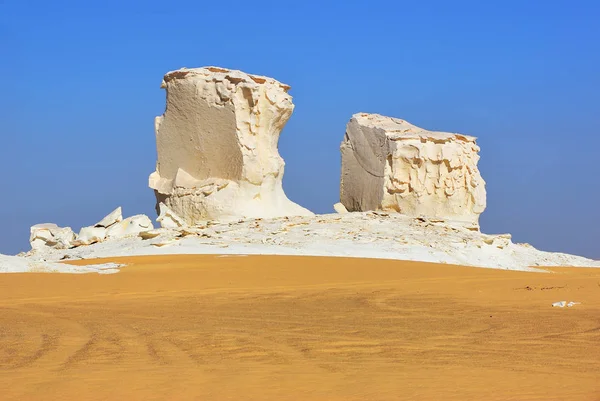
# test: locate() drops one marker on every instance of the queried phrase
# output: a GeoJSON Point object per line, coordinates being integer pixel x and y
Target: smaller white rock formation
{"type": "Point", "coordinates": [130, 226]}
{"type": "Point", "coordinates": [112, 218]}
{"type": "Point", "coordinates": [391, 165]}
{"type": "Point", "coordinates": [90, 235]}
{"type": "Point", "coordinates": [49, 235]}
{"type": "Point", "coordinates": [217, 146]}
{"type": "Point", "coordinates": [168, 219]}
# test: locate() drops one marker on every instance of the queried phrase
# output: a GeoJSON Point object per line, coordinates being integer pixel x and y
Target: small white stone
{"type": "Point", "coordinates": [340, 208]}
{"type": "Point", "coordinates": [150, 234]}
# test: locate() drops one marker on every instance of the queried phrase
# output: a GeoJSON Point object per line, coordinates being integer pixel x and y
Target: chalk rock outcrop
{"type": "Point", "coordinates": [389, 164]}
{"type": "Point", "coordinates": [167, 218]}
{"type": "Point", "coordinates": [49, 235]}
{"type": "Point", "coordinates": [112, 218]}
{"type": "Point", "coordinates": [90, 235]}
{"type": "Point", "coordinates": [217, 146]}
{"type": "Point", "coordinates": [130, 226]}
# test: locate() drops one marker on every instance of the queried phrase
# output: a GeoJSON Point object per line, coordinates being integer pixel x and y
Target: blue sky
{"type": "Point", "coordinates": [81, 89]}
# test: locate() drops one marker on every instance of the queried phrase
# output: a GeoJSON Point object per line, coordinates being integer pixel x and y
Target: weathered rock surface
{"type": "Point", "coordinates": [90, 235]}
{"type": "Point", "coordinates": [366, 234]}
{"type": "Point", "coordinates": [168, 219]}
{"type": "Point", "coordinates": [217, 146]}
{"type": "Point", "coordinates": [112, 218]}
{"type": "Point", "coordinates": [389, 164]}
{"type": "Point", "coordinates": [130, 226]}
{"type": "Point", "coordinates": [51, 236]}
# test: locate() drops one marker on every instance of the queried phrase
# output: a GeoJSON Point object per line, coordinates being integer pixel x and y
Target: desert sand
{"type": "Point", "coordinates": [205, 327]}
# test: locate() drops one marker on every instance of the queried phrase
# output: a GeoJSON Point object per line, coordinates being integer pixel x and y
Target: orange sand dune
{"type": "Point", "coordinates": [299, 328]}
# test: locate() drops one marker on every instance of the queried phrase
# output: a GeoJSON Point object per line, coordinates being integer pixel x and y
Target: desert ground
{"type": "Point", "coordinates": [208, 327]}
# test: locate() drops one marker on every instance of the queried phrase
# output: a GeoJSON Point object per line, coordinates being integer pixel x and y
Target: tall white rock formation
{"type": "Point", "coordinates": [389, 164]}
{"type": "Point", "coordinates": [217, 146]}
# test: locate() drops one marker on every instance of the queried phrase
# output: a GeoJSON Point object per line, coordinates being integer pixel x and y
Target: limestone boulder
{"type": "Point", "coordinates": [90, 235]}
{"type": "Point", "coordinates": [112, 218]}
{"type": "Point", "coordinates": [130, 226]}
{"type": "Point", "coordinates": [49, 235]}
{"type": "Point", "coordinates": [340, 208]}
{"type": "Point", "coordinates": [389, 164]}
{"type": "Point", "coordinates": [217, 146]}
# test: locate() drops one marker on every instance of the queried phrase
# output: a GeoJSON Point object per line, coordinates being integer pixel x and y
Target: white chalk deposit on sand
{"type": "Point", "coordinates": [367, 235]}
{"type": "Point", "coordinates": [17, 264]}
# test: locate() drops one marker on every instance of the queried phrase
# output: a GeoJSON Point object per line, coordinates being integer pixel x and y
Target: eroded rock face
{"type": "Point", "coordinates": [217, 146]}
{"type": "Point", "coordinates": [112, 218]}
{"type": "Point", "coordinates": [49, 235]}
{"type": "Point", "coordinates": [130, 226]}
{"type": "Point", "coordinates": [168, 219]}
{"type": "Point", "coordinates": [389, 164]}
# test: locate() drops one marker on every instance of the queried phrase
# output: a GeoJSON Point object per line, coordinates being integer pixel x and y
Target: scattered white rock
{"type": "Point", "coordinates": [165, 242]}
{"type": "Point", "coordinates": [340, 208]}
{"type": "Point", "coordinates": [562, 304]}
{"type": "Point", "coordinates": [217, 146]}
{"type": "Point", "coordinates": [168, 219]}
{"type": "Point", "coordinates": [130, 226]}
{"type": "Point", "coordinates": [90, 235]}
{"type": "Point", "coordinates": [150, 234]}
{"type": "Point", "coordinates": [112, 218]}
{"type": "Point", "coordinates": [185, 231]}
{"type": "Point", "coordinates": [51, 236]}
{"type": "Point", "coordinates": [359, 234]}
{"type": "Point", "coordinates": [389, 164]}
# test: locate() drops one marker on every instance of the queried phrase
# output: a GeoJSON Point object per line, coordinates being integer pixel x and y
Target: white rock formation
{"type": "Point", "coordinates": [389, 164]}
{"type": "Point", "coordinates": [90, 235]}
{"type": "Point", "coordinates": [366, 234]}
{"type": "Point", "coordinates": [130, 226]}
{"type": "Point", "coordinates": [217, 146]}
{"type": "Point", "coordinates": [112, 218]}
{"type": "Point", "coordinates": [168, 219]}
{"type": "Point", "coordinates": [51, 236]}
{"type": "Point", "coordinates": [99, 231]}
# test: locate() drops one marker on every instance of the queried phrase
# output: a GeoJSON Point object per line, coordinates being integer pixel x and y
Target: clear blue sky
{"type": "Point", "coordinates": [81, 89]}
